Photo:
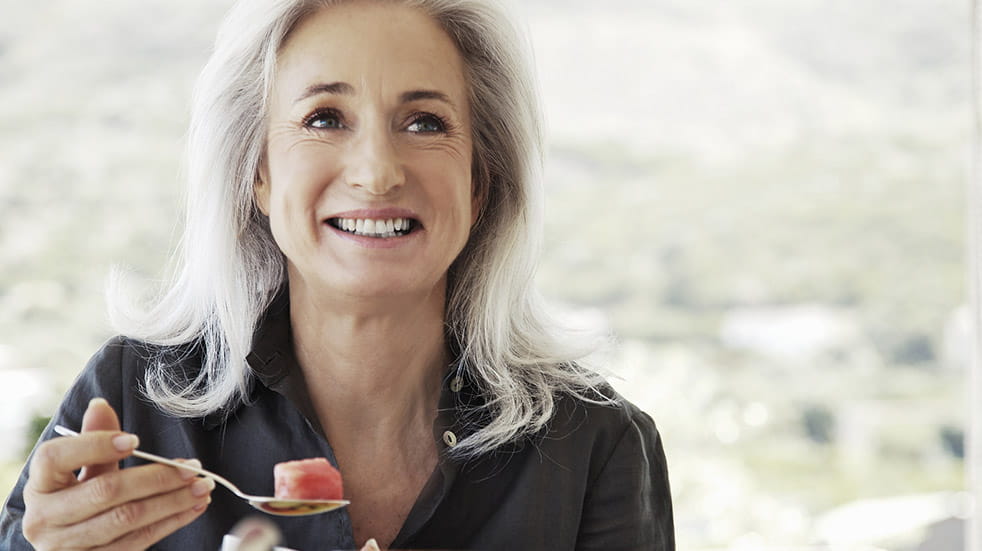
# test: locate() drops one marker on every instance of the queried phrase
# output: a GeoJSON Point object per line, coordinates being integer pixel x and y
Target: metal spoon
{"type": "Point", "coordinates": [271, 505]}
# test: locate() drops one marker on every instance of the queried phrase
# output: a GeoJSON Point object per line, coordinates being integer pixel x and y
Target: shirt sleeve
{"type": "Point", "coordinates": [100, 378]}
{"type": "Point", "coordinates": [628, 506]}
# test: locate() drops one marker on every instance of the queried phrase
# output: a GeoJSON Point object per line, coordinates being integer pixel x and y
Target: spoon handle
{"type": "Point", "coordinates": [65, 431]}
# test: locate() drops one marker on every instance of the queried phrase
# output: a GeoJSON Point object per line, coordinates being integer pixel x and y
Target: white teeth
{"type": "Point", "coordinates": [374, 228]}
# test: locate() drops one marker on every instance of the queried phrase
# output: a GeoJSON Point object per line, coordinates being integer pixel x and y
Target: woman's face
{"type": "Point", "coordinates": [367, 173]}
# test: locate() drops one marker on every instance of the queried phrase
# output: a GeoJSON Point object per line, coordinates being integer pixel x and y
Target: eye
{"type": "Point", "coordinates": [324, 119]}
{"type": "Point", "coordinates": [426, 123]}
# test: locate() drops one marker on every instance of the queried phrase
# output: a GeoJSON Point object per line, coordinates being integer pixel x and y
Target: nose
{"type": "Point", "coordinates": [372, 163]}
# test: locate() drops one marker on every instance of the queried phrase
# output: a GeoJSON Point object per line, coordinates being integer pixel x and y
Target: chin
{"type": "Point", "coordinates": [372, 289]}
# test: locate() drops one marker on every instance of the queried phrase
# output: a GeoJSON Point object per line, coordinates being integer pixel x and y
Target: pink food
{"type": "Point", "coordinates": [307, 479]}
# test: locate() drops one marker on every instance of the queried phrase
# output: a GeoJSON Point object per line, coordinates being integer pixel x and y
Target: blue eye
{"type": "Point", "coordinates": [324, 120]}
{"type": "Point", "coordinates": [427, 124]}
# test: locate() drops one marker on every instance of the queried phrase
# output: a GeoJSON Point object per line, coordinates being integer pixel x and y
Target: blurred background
{"type": "Point", "coordinates": [763, 200]}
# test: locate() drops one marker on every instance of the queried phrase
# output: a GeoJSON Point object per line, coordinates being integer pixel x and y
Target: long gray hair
{"type": "Point", "coordinates": [228, 268]}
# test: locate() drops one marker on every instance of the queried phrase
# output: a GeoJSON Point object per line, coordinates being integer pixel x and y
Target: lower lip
{"type": "Point", "coordinates": [375, 242]}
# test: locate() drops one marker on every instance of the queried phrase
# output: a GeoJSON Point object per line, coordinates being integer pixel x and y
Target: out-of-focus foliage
{"type": "Point", "coordinates": [37, 425]}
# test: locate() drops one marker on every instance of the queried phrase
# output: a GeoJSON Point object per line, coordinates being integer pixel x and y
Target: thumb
{"type": "Point", "coordinates": [99, 416]}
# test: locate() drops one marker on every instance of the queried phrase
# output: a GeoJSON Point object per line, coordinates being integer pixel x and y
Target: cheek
{"type": "Point", "coordinates": [299, 175]}
{"type": "Point", "coordinates": [463, 206]}
{"type": "Point", "coordinates": [448, 186]}
{"type": "Point", "coordinates": [464, 188]}
{"type": "Point", "coordinates": [297, 178]}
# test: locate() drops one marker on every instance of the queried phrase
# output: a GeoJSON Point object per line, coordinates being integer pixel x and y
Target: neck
{"type": "Point", "coordinates": [372, 369]}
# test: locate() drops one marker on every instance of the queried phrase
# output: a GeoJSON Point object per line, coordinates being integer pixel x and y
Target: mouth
{"type": "Point", "coordinates": [378, 228]}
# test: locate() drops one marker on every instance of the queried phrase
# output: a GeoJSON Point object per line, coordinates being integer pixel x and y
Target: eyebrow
{"type": "Point", "coordinates": [414, 95]}
{"type": "Point", "coordinates": [343, 88]}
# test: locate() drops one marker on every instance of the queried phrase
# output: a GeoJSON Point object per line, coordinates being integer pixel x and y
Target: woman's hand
{"type": "Point", "coordinates": [105, 507]}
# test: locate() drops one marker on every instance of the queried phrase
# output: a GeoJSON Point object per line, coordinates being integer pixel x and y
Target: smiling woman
{"type": "Point", "coordinates": [354, 284]}
{"type": "Point", "coordinates": [394, 147]}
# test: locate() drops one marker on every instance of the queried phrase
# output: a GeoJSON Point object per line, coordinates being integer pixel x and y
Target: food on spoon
{"type": "Point", "coordinates": [307, 479]}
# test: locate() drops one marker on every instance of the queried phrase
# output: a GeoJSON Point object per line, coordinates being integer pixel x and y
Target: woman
{"type": "Point", "coordinates": [355, 284]}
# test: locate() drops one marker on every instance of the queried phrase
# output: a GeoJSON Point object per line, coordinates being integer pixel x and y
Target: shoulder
{"type": "Point", "coordinates": [103, 375]}
{"type": "Point", "coordinates": [124, 355]}
{"type": "Point", "coordinates": [119, 350]}
{"type": "Point", "coordinates": [608, 429]}
{"type": "Point", "coordinates": [118, 369]}
{"type": "Point", "coordinates": [608, 415]}
{"type": "Point", "coordinates": [627, 499]}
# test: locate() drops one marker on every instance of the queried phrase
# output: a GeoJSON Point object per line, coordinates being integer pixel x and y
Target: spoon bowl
{"type": "Point", "coordinates": [270, 505]}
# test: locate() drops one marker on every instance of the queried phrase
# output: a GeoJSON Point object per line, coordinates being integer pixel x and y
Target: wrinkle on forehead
{"type": "Point", "coordinates": [407, 49]}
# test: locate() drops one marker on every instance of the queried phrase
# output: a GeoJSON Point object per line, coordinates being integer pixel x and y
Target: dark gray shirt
{"type": "Point", "coordinates": [595, 479]}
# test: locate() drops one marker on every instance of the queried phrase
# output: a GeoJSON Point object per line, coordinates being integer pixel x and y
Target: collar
{"type": "Point", "coordinates": [273, 365]}
{"type": "Point", "coordinates": [271, 360]}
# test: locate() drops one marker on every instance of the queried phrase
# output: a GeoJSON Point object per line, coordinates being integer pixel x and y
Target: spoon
{"type": "Point", "coordinates": [271, 505]}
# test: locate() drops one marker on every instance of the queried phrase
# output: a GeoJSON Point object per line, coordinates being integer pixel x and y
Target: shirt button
{"type": "Point", "coordinates": [449, 438]}
{"type": "Point", "coordinates": [456, 384]}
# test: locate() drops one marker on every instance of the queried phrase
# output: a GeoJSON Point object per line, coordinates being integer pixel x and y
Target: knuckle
{"type": "Point", "coordinates": [163, 477]}
{"type": "Point", "coordinates": [127, 514]}
{"type": "Point", "coordinates": [104, 488]}
{"type": "Point", "coordinates": [146, 534]}
{"type": "Point", "coordinates": [35, 523]}
{"type": "Point", "coordinates": [32, 527]}
{"type": "Point", "coordinates": [37, 530]}
{"type": "Point", "coordinates": [46, 456]}
{"type": "Point", "coordinates": [31, 496]}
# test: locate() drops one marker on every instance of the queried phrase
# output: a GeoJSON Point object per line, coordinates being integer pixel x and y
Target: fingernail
{"type": "Point", "coordinates": [202, 487]}
{"type": "Point", "coordinates": [253, 533]}
{"type": "Point", "coordinates": [257, 534]}
{"type": "Point", "coordinates": [186, 474]}
{"type": "Point", "coordinates": [99, 401]}
{"type": "Point", "coordinates": [125, 442]}
{"type": "Point", "coordinates": [201, 506]}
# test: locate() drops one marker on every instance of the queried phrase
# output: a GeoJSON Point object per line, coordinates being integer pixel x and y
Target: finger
{"type": "Point", "coordinates": [55, 461]}
{"type": "Point", "coordinates": [256, 533]}
{"type": "Point", "coordinates": [134, 516]}
{"type": "Point", "coordinates": [99, 416]}
{"type": "Point", "coordinates": [150, 534]}
{"type": "Point", "coordinates": [105, 492]}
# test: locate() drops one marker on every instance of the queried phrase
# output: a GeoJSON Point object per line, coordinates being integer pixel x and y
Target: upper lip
{"type": "Point", "coordinates": [387, 213]}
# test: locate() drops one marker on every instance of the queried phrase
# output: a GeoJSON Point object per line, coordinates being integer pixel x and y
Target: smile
{"type": "Point", "coordinates": [382, 229]}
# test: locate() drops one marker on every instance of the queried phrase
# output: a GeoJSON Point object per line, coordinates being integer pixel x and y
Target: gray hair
{"type": "Point", "coordinates": [229, 269]}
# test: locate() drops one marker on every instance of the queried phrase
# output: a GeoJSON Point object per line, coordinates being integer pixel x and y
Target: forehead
{"type": "Point", "coordinates": [377, 45]}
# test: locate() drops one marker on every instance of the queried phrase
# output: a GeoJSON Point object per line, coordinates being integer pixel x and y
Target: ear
{"type": "Point", "coordinates": [260, 189]}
